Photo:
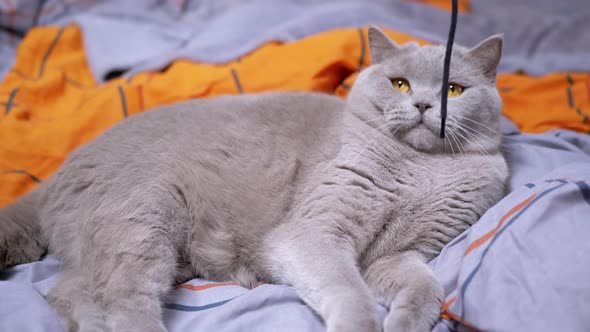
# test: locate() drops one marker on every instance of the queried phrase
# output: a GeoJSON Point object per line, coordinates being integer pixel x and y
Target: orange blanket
{"type": "Point", "coordinates": [50, 103]}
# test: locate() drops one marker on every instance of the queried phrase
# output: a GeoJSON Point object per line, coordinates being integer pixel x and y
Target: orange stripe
{"type": "Point", "coordinates": [493, 232]}
{"type": "Point", "coordinates": [448, 315]}
{"type": "Point", "coordinates": [446, 305]}
{"type": "Point", "coordinates": [207, 286]}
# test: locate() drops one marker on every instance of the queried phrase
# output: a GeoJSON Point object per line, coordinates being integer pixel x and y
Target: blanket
{"type": "Point", "coordinates": [520, 267]}
{"type": "Point", "coordinates": [542, 36]}
{"type": "Point", "coordinates": [53, 104]}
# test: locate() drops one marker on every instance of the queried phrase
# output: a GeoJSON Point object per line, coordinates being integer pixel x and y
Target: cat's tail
{"type": "Point", "coordinates": [20, 231]}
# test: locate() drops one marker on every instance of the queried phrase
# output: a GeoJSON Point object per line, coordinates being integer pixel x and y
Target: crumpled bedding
{"type": "Point", "coordinates": [521, 267]}
{"type": "Point", "coordinates": [542, 36]}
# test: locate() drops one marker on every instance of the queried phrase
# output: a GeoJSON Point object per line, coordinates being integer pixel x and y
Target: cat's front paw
{"type": "Point", "coordinates": [354, 323]}
{"type": "Point", "coordinates": [403, 320]}
{"type": "Point", "coordinates": [353, 314]}
{"type": "Point", "coordinates": [406, 318]}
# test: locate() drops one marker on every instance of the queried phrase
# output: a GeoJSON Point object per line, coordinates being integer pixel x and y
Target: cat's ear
{"type": "Point", "coordinates": [380, 45]}
{"type": "Point", "coordinates": [488, 53]}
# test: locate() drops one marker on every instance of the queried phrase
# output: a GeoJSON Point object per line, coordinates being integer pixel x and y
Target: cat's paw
{"type": "Point", "coordinates": [406, 314]}
{"type": "Point", "coordinates": [353, 315]}
{"type": "Point", "coordinates": [403, 320]}
{"type": "Point", "coordinates": [368, 323]}
{"type": "Point", "coordinates": [406, 318]}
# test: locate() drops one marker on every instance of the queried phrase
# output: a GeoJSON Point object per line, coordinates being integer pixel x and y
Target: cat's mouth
{"type": "Point", "coordinates": [422, 125]}
{"type": "Point", "coordinates": [418, 125]}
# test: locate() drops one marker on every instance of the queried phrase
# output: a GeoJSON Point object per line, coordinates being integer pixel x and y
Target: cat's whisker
{"type": "Point", "coordinates": [472, 141]}
{"type": "Point", "coordinates": [462, 145]}
{"type": "Point", "coordinates": [377, 135]}
{"type": "Point", "coordinates": [494, 141]}
{"type": "Point", "coordinates": [495, 131]}
{"type": "Point", "coordinates": [457, 131]}
{"type": "Point", "coordinates": [457, 128]}
{"type": "Point", "coordinates": [473, 131]}
{"type": "Point", "coordinates": [452, 135]}
{"type": "Point", "coordinates": [375, 120]}
{"type": "Point", "coordinates": [476, 122]}
{"type": "Point", "coordinates": [501, 146]}
{"type": "Point", "coordinates": [452, 142]}
{"type": "Point", "coordinates": [448, 139]}
{"type": "Point", "coordinates": [475, 140]}
{"type": "Point", "coordinates": [396, 130]}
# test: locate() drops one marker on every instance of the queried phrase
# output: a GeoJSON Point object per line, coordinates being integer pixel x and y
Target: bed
{"type": "Point", "coordinates": [71, 69]}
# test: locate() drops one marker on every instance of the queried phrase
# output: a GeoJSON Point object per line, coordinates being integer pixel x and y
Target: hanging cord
{"type": "Point", "coordinates": [445, 85]}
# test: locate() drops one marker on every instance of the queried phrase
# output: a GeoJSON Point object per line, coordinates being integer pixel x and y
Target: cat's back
{"type": "Point", "coordinates": [269, 122]}
{"type": "Point", "coordinates": [225, 147]}
{"type": "Point", "coordinates": [287, 114]}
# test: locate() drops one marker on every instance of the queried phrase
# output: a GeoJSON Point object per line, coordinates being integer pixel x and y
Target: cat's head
{"type": "Point", "coordinates": [400, 94]}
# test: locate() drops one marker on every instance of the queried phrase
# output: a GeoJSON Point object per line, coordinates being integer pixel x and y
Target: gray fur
{"type": "Point", "coordinates": [344, 200]}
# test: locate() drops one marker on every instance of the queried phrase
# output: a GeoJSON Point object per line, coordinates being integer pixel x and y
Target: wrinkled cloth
{"type": "Point", "coordinates": [541, 36]}
{"type": "Point", "coordinates": [525, 267]}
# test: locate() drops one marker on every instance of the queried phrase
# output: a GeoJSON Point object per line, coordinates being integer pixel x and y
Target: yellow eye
{"type": "Point", "coordinates": [401, 84]}
{"type": "Point", "coordinates": [455, 90]}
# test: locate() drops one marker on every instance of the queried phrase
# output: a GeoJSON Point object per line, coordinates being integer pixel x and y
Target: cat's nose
{"type": "Point", "coordinates": [422, 107]}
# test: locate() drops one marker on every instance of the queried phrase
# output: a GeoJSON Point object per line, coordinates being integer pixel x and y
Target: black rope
{"type": "Point", "coordinates": [445, 85]}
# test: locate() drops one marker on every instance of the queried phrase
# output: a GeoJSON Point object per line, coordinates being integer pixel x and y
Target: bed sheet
{"type": "Point", "coordinates": [521, 267]}
{"type": "Point", "coordinates": [529, 268]}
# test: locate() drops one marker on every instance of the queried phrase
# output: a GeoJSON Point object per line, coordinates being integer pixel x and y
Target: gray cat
{"type": "Point", "coordinates": [346, 201]}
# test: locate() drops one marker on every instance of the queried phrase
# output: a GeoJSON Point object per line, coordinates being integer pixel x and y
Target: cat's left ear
{"type": "Point", "coordinates": [488, 54]}
{"type": "Point", "coordinates": [380, 45]}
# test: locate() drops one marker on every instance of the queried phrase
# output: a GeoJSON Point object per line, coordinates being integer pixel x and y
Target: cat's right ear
{"type": "Point", "coordinates": [380, 45]}
{"type": "Point", "coordinates": [488, 54]}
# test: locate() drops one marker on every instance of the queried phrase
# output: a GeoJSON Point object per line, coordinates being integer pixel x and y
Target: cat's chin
{"type": "Point", "coordinates": [421, 138]}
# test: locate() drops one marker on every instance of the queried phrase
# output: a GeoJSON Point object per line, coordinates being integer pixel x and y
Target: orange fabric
{"type": "Point", "coordinates": [50, 103]}
{"type": "Point", "coordinates": [558, 100]}
{"type": "Point", "coordinates": [448, 315]}
{"type": "Point", "coordinates": [55, 104]}
{"type": "Point", "coordinates": [447, 5]}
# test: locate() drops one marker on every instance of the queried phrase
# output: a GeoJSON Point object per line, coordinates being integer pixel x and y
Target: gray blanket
{"type": "Point", "coordinates": [542, 36]}
{"type": "Point", "coordinates": [528, 275]}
